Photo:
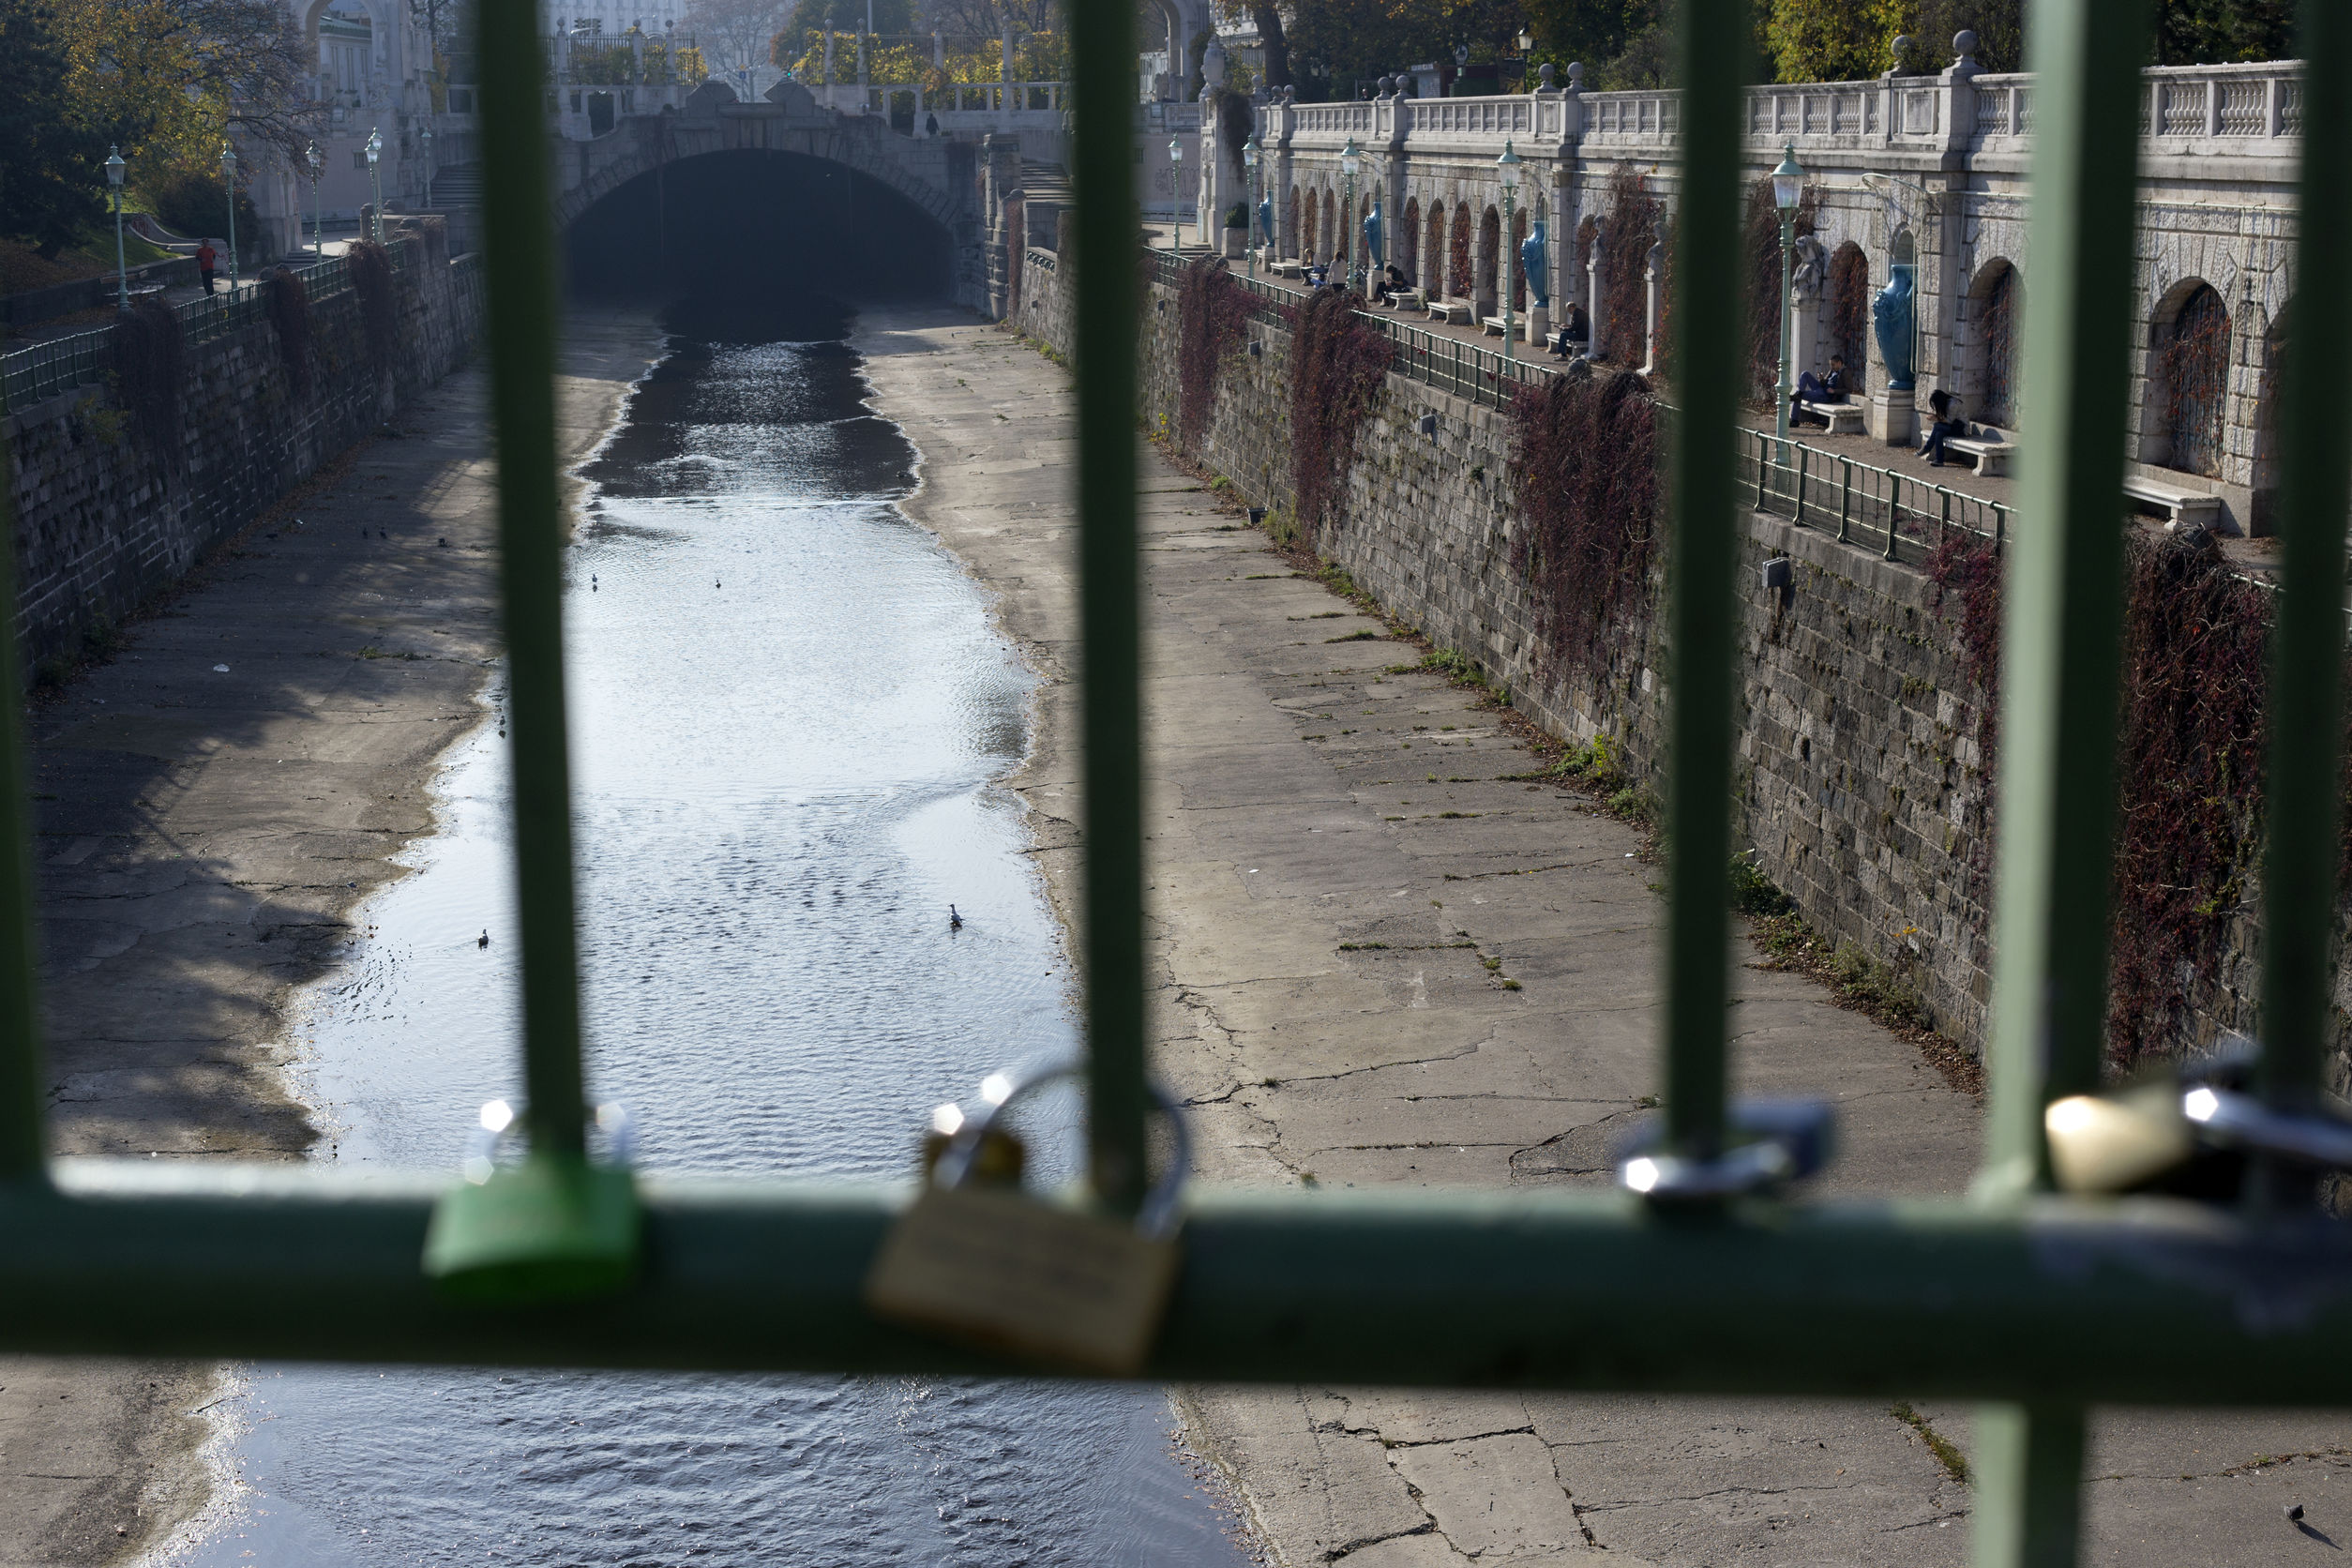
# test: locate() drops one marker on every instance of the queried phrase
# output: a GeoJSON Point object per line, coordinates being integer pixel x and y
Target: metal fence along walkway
{"type": "Point", "coordinates": [46, 369]}
{"type": "Point", "coordinates": [1700, 1273]}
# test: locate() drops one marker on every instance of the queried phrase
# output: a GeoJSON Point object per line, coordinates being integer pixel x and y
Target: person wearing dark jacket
{"type": "Point", "coordinates": [1942, 428]}
{"type": "Point", "coordinates": [1814, 389]}
{"type": "Point", "coordinates": [1575, 335]}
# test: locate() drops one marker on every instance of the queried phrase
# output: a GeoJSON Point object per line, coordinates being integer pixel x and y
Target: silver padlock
{"type": "Point", "coordinates": [1046, 1281]}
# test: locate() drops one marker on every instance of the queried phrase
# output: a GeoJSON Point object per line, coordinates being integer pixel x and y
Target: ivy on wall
{"type": "Point", "coordinates": [150, 352]}
{"type": "Point", "coordinates": [2189, 805]}
{"type": "Point", "coordinates": [1632, 228]}
{"type": "Point", "coordinates": [371, 281]}
{"type": "Point", "coordinates": [2189, 796]}
{"type": "Point", "coordinates": [1212, 313]}
{"type": "Point", "coordinates": [1338, 367]}
{"type": "Point", "coordinates": [288, 301]}
{"type": "Point", "coordinates": [1585, 460]}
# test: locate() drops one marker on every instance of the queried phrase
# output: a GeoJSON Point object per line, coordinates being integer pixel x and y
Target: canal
{"type": "Point", "coordinates": [792, 716]}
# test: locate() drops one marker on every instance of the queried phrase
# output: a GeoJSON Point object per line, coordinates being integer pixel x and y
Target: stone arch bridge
{"type": "Point", "coordinates": [949, 182]}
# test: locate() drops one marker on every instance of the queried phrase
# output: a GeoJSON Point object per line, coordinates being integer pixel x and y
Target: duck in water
{"type": "Point", "coordinates": [484, 938]}
{"type": "Point", "coordinates": [954, 921]}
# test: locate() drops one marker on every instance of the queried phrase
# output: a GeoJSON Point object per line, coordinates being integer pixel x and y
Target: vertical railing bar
{"type": "Point", "coordinates": [2061, 656]}
{"type": "Point", "coordinates": [519, 242]}
{"type": "Point", "coordinates": [1845, 497]}
{"type": "Point", "coordinates": [1798, 512]}
{"type": "Point", "coordinates": [1102, 58]}
{"type": "Point", "coordinates": [22, 1068]}
{"type": "Point", "coordinates": [2300, 862]}
{"type": "Point", "coordinates": [1701, 608]}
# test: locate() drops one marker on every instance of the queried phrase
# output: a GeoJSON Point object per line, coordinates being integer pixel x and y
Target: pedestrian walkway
{"type": "Point", "coordinates": [1380, 958]}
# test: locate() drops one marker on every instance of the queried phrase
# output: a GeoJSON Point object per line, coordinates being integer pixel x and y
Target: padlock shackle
{"type": "Point", "coordinates": [481, 1148]}
{"type": "Point", "coordinates": [1158, 1216]}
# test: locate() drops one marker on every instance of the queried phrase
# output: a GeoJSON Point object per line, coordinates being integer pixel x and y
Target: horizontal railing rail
{"type": "Point", "coordinates": [2132, 1301]}
{"type": "Point", "coordinates": [1858, 503]}
{"type": "Point", "coordinates": [46, 369]}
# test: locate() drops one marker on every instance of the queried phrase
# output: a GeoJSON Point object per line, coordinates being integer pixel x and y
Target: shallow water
{"type": "Point", "coordinates": [790, 712]}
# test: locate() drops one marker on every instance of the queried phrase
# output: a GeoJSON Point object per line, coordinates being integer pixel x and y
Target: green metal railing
{"type": "Point", "coordinates": [1858, 503]}
{"type": "Point", "coordinates": [2041, 1305]}
{"type": "Point", "coordinates": [47, 369]}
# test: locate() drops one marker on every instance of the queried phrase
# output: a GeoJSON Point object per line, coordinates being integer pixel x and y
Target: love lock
{"type": "Point", "coordinates": [1048, 1281]}
{"type": "Point", "coordinates": [2189, 1135]}
{"type": "Point", "coordinates": [547, 1227]}
{"type": "Point", "coordinates": [1773, 1143]}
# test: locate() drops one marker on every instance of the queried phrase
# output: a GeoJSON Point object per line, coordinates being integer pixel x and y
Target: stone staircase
{"type": "Point", "coordinates": [456, 188]}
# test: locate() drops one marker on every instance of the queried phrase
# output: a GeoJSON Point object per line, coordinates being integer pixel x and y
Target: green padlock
{"type": "Point", "coordinates": [550, 1228]}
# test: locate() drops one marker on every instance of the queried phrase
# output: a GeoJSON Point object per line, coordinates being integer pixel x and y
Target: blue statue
{"type": "Point", "coordinates": [1265, 220]}
{"type": "Point", "coordinates": [1372, 235]}
{"type": "Point", "coordinates": [1535, 262]}
{"type": "Point", "coordinates": [1891, 313]}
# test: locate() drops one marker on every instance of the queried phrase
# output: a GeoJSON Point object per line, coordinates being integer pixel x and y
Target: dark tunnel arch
{"type": "Point", "coordinates": [761, 219]}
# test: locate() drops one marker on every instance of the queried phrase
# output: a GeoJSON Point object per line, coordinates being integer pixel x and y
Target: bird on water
{"type": "Point", "coordinates": [484, 938]}
{"type": "Point", "coordinates": [954, 921]}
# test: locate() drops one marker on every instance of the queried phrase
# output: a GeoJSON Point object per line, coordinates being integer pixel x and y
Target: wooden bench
{"type": "Point", "coordinates": [2181, 507]}
{"type": "Point", "coordinates": [1985, 446]}
{"type": "Point", "coordinates": [1842, 418]}
{"type": "Point", "coordinates": [1453, 312]}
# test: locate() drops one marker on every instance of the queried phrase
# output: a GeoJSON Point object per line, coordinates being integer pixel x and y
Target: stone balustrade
{"type": "Point", "coordinates": [1917, 188]}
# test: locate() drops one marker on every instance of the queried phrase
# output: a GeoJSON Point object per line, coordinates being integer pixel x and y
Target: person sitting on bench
{"type": "Point", "coordinates": [1813, 389]}
{"type": "Point", "coordinates": [1393, 283]}
{"type": "Point", "coordinates": [1942, 430]}
{"type": "Point", "coordinates": [1574, 334]}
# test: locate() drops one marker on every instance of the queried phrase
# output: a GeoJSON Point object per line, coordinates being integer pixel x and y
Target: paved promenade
{"type": "Point", "coordinates": [1376, 960]}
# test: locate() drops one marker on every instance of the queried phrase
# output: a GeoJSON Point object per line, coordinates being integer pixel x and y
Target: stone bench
{"type": "Point", "coordinates": [1453, 312]}
{"type": "Point", "coordinates": [2181, 507]}
{"type": "Point", "coordinates": [1495, 326]}
{"type": "Point", "coordinates": [1987, 447]}
{"type": "Point", "coordinates": [1285, 270]}
{"type": "Point", "coordinates": [1841, 419]}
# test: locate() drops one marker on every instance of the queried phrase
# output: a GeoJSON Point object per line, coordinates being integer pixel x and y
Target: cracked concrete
{"type": "Point", "coordinates": [1321, 834]}
{"type": "Point", "coordinates": [203, 837]}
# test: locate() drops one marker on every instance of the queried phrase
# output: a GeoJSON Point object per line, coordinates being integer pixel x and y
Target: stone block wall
{"type": "Point", "coordinates": [1857, 789]}
{"type": "Point", "coordinates": [108, 516]}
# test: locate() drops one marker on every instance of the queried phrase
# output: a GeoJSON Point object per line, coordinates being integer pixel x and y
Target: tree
{"type": "Point", "coordinates": [49, 159]}
{"type": "Point", "coordinates": [1999, 26]}
{"type": "Point", "coordinates": [2221, 32]}
{"type": "Point", "coordinates": [167, 79]}
{"type": "Point", "coordinates": [1335, 45]}
{"type": "Point", "coordinates": [736, 32]}
{"type": "Point", "coordinates": [1834, 40]}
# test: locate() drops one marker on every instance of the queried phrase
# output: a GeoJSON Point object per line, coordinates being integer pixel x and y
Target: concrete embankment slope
{"type": "Point", "coordinates": [212, 803]}
{"type": "Point", "coordinates": [1342, 878]}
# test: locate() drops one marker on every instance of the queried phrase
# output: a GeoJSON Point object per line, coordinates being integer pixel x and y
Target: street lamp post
{"type": "Point", "coordinates": [1789, 185]}
{"type": "Point", "coordinates": [1250, 150]}
{"type": "Point", "coordinates": [122, 269]}
{"type": "Point", "coordinates": [317, 217]}
{"type": "Point", "coordinates": [1176, 166]}
{"type": "Point", "coordinates": [1507, 170]}
{"type": "Point", "coordinates": [229, 176]}
{"type": "Point", "coordinates": [375, 181]}
{"type": "Point", "coordinates": [425, 137]}
{"type": "Point", "coordinates": [1350, 160]}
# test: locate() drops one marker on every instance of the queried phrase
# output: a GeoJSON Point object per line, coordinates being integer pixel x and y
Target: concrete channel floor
{"type": "Point", "coordinates": [1342, 881]}
{"type": "Point", "coordinates": [211, 804]}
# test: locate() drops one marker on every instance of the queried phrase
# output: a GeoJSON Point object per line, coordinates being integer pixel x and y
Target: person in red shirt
{"type": "Point", "coordinates": [205, 257]}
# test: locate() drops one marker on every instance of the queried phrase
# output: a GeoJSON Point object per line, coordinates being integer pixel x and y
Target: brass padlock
{"type": "Point", "coordinates": [1047, 1281]}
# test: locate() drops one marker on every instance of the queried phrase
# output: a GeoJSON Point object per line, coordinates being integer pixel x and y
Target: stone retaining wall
{"type": "Point", "coordinates": [108, 518]}
{"type": "Point", "coordinates": [1856, 748]}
